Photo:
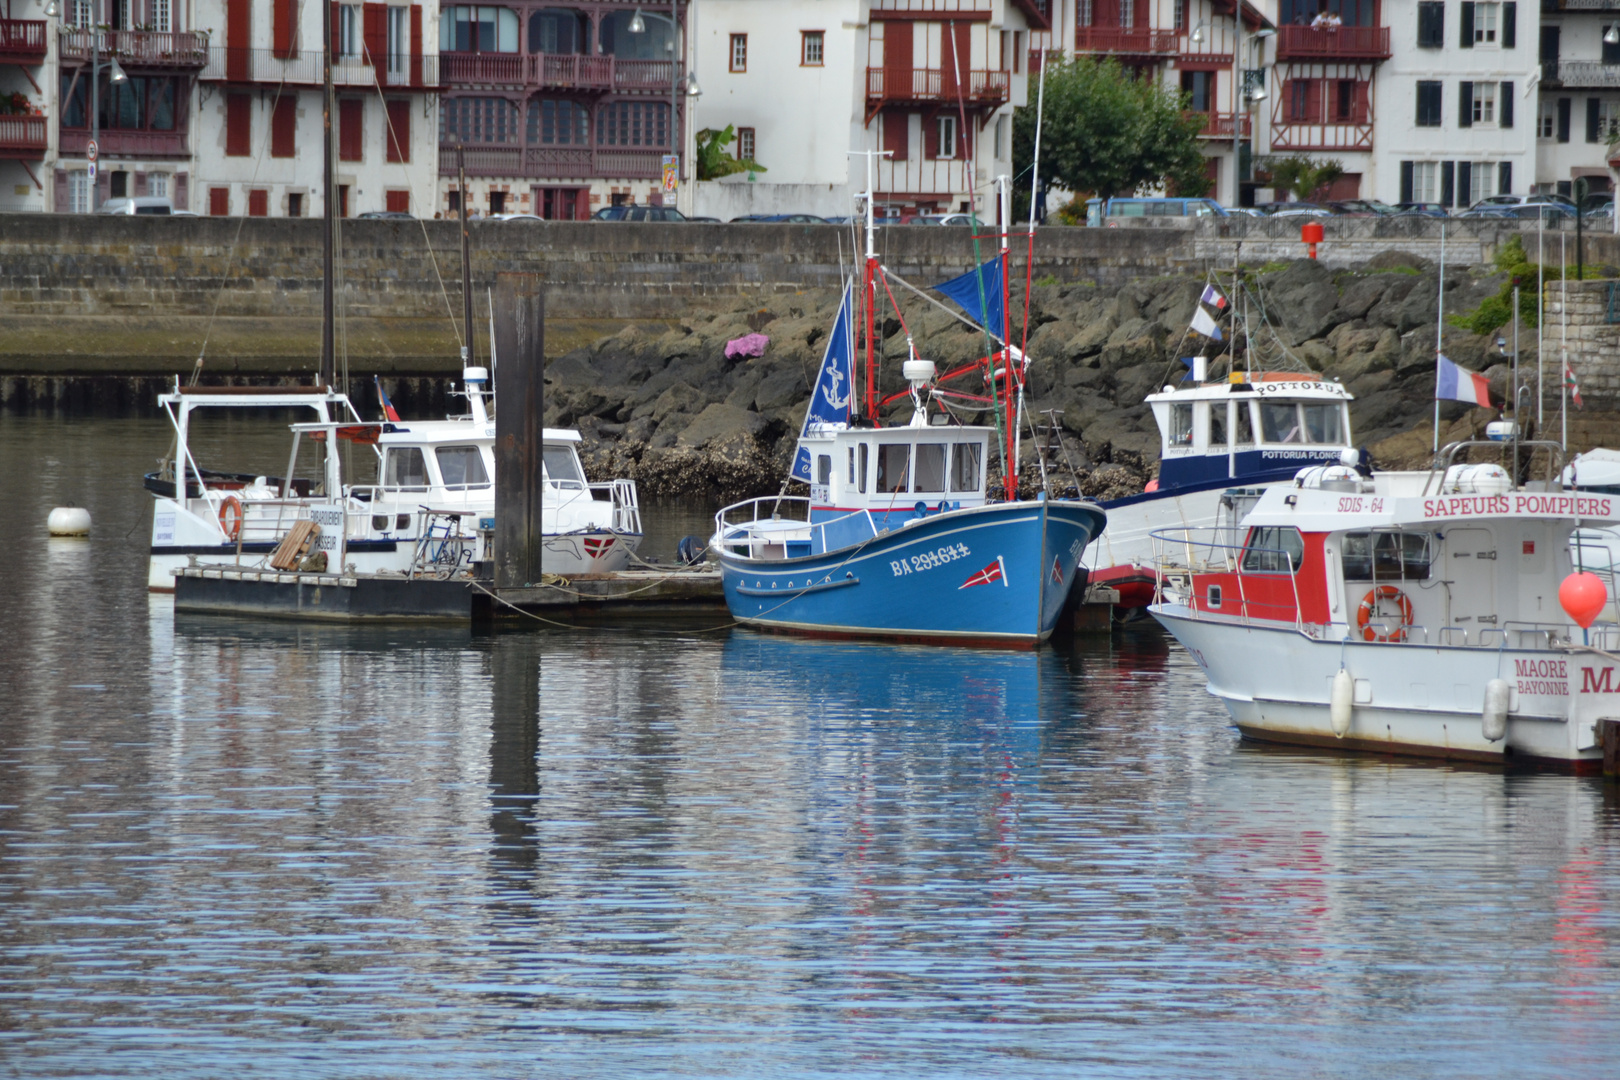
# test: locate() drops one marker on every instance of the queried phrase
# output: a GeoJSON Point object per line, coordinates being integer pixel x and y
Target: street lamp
{"type": "Point", "coordinates": [638, 25]}
{"type": "Point", "coordinates": [1198, 34]}
{"type": "Point", "coordinates": [1611, 36]}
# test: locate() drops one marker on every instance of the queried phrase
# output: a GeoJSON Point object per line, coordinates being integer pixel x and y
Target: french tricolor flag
{"type": "Point", "coordinates": [1453, 383]}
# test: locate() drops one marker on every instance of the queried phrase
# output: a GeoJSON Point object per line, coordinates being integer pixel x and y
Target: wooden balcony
{"type": "Point", "coordinates": [1125, 41]}
{"type": "Point", "coordinates": [22, 138]}
{"type": "Point", "coordinates": [1218, 125]}
{"type": "Point", "coordinates": [262, 66]}
{"type": "Point", "coordinates": [556, 162]}
{"type": "Point", "coordinates": [1292, 136]}
{"type": "Point", "coordinates": [923, 86]}
{"type": "Point", "coordinates": [557, 71]}
{"type": "Point", "coordinates": [138, 48]}
{"type": "Point", "coordinates": [1343, 43]}
{"type": "Point", "coordinates": [22, 41]}
{"type": "Point", "coordinates": [115, 143]}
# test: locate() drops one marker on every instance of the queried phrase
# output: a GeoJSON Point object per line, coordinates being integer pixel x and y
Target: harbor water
{"type": "Point", "coordinates": [264, 849]}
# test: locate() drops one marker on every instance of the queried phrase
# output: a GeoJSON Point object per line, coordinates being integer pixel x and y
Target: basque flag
{"type": "Point", "coordinates": [1452, 383]}
{"type": "Point", "coordinates": [389, 412]}
{"type": "Point", "coordinates": [996, 571]}
{"type": "Point", "coordinates": [1572, 386]}
{"type": "Point", "coordinates": [1212, 295]}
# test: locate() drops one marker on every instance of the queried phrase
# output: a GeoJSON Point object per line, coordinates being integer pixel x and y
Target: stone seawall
{"type": "Point", "coordinates": [140, 297]}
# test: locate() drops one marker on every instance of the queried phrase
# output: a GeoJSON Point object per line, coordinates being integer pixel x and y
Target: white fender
{"type": "Point", "coordinates": [1339, 701]}
{"type": "Point", "coordinates": [1493, 719]}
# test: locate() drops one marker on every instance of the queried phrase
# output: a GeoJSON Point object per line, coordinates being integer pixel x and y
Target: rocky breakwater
{"type": "Point", "coordinates": [674, 412]}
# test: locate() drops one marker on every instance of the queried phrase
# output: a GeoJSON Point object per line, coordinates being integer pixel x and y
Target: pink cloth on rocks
{"type": "Point", "coordinates": [747, 345]}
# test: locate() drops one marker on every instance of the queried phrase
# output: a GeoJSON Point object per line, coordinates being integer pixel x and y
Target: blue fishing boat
{"type": "Point", "coordinates": [900, 536]}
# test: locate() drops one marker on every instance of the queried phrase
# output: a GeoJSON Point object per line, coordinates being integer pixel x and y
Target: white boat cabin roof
{"type": "Point", "coordinates": [558, 435]}
{"type": "Point", "coordinates": [1277, 409]}
{"type": "Point", "coordinates": [1335, 498]}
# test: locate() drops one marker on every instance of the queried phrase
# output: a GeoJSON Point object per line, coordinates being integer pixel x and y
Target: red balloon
{"type": "Point", "coordinates": [1583, 596]}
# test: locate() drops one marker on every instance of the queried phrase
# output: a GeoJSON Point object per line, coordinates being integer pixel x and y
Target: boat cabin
{"type": "Point", "coordinates": [571, 503]}
{"type": "Point", "coordinates": [897, 472]}
{"type": "Point", "coordinates": [1254, 432]}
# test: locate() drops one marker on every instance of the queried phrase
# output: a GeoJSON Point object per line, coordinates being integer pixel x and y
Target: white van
{"type": "Point", "coordinates": [144, 204]}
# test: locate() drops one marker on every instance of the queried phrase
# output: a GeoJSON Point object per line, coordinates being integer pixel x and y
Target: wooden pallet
{"type": "Point", "coordinates": [294, 545]}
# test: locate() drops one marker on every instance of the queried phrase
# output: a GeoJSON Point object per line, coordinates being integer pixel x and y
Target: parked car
{"type": "Point", "coordinates": [388, 215]}
{"type": "Point", "coordinates": [1598, 200]}
{"type": "Point", "coordinates": [1099, 210]}
{"type": "Point", "coordinates": [782, 219]}
{"type": "Point", "coordinates": [638, 213]}
{"type": "Point", "coordinates": [1245, 211]}
{"type": "Point", "coordinates": [1486, 210]}
{"type": "Point", "coordinates": [1544, 211]}
{"type": "Point", "coordinates": [1521, 200]}
{"type": "Point", "coordinates": [1295, 209]}
{"type": "Point", "coordinates": [1422, 209]}
{"type": "Point", "coordinates": [516, 217]}
{"type": "Point", "coordinates": [712, 220]}
{"type": "Point", "coordinates": [1361, 208]}
{"type": "Point", "coordinates": [140, 204]}
{"type": "Point", "coordinates": [948, 219]}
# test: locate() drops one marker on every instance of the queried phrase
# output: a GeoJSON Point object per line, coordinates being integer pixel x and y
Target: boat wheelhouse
{"type": "Point", "coordinates": [1251, 431]}
{"type": "Point", "coordinates": [1413, 612]}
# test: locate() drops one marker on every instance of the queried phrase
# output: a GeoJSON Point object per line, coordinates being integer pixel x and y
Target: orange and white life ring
{"type": "Point", "coordinates": [230, 516]}
{"type": "Point", "coordinates": [1368, 609]}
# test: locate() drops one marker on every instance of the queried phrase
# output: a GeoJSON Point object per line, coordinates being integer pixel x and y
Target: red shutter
{"type": "Point", "coordinates": [140, 183]}
{"type": "Point", "coordinates": [399, 131]}
{"type": "Point", "coordinates": [61, 191]}
{"type": "Point", "coordinates": [955, 57]}
{"type": "Point", "coordinates": [258, 203]}
{"type": "Point", "coordinates": [1142, 19]}
{"type": "Point", "coordinates": [398, 202]}
{"type": "Point", "coordinates": [283, 18]}
{"type": "Point", "coordinates": [930, 126]}
{"type": "Point", "coordinates": [238, 28]}
{"type": "Point", "coordinates": [1363, 102]}
{"type": "Point", "coordinates": [1105, 13]}
{"type": "Point", "coordinates": [284, 127]}
{"type": "Point", "coordinates": [351, 112]}
{"type": "Point", "coordinates": [337, 31]}
{"type": "Point", "coordinates": [416, 44]}
{"type": "Point", "coordinates": [238, 125]}
{"type": "Point", "coordinates": [219, 201]}
{"type": "Point", "coordinates": [1313, 101]}
{"type": "Point", "coordinates": [182, 192]}
{"type": "Point", "coordinates": [376, 24]}
{"type": "Point", "coordinates": [897, 133]}
{"type": "Point", "coordinates": [965, 136]}
{"type": "Point", "coordinates": [897, 60]}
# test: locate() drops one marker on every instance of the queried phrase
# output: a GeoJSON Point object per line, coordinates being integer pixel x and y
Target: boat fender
{"type": "Point", "coordinates": [1493, 719]}
{"type": "Point", "coordinates": [68, 521]}
{"type": "Point", "coordinates": [230, 516]}
{"type": "Point", "coordinates": [921, 509]}
{"type": "Point", "coordinates": [1339, 702]}
{"type": "Point", "coordinates": [1369, 603]}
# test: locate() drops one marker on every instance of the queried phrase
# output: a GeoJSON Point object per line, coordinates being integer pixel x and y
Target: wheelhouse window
{"type": "Point", "coordinates": [1279, 422]}
{"type": "Point", "coordinates": [823, 469]}
{"type": "Point", "coordinates": [1322, 423]}
{"type": "Point", "coordinates": [1242, 425]}
{"type": "Point", "coordinates": [1291, 422]}
{"type": "Point", "coordinates": [462, 467]}
{"type": "Point", "coordinates": [1217, 424]}
{"type": "Point", "coordinates": [560, 468]}
{"type": "Point", "coordinates": [965, 467]}
{"type": "Point", "coordinates": [478, 29]}
{"type": "Point", "coordinates": [405, 468]}
{"type": "Point", "coordinates": [893, 469]}
{"type": "Point", "coordinates": [930, 467]}
{"type": "Point", "coordinates": [1273, 550]}
{"type": "Point", "coordinates": [859, 458]}
{"type": "Point", "coordinates": [1387, 555]}
{"type": "Point", "coordinates": [1181, 425]}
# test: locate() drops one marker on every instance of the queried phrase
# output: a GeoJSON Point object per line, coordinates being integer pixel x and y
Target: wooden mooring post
{"type": "Point", "coordinates": [519, 314]}
{"type": "Point", "coordinates": [1609, 739]}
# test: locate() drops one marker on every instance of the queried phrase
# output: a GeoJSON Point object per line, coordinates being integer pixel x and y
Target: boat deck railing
{"type": "Point", "coordinates": [626, 504]}
{"type": "Point", "coordinates": [1182, 555]}
{"type": "Point", "coordinates": [1441, 467]}
{"type": "Point", "coordinates": [757, 528]}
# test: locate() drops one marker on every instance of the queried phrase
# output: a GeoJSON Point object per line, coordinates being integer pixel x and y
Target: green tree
{"type": "Point", "coordinates": [712, 160]}
{"type": "Point", "coordinates": [1108, 133]}
{"type": "Point", "coordinates": [1305, 177]}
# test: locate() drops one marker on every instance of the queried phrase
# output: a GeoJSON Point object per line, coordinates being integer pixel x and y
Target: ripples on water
{"type": "Point", "coordinates": [230, 848]}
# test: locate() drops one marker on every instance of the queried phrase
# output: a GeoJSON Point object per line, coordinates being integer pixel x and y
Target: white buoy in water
{"type": "Point", "coordinates": [1494, 716]}
{"type": "Point", "coordinates": [69, 521]}
{"type": "Point", "coordinates": [1341, 696]}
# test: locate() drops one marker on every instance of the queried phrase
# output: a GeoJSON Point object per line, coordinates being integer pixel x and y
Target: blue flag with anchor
{"type": "Point", "coordinates": [830, 399]}
{"type": "Point", "coordinates": [979, 293]}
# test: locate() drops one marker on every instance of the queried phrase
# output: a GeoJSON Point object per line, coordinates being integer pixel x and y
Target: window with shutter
{"type": "Point", "coordinates": [1406, 181]}
{"type": "Point", "coordinates": [1448, 183]}
{"type": "Point", "coordinates": [238, 125]}
{"type": "Point", "coordinates": [182, 191]}
{"type": "Point", "coordinates": [1428, 104]}
{"type": "Point", "coordinates": [1431, 24]}
{"type": "Point", "coordinates": [1465, 183]}
{"type": "Point", "coordinates": [219, 201]}
{"type": "Point", "coordinates": [1593, 120]}
{"type": "Point", "coordinates": [284, 21]}
{"type": "Point", "coordinates": [238, 47]}
{"type": "Point", "coordinates": [258, 203]}
{"type": "Point", "coordinates": [1563, 119]}
{"type": "Point", "coordinates": [1510, 26]}
{"type": "Point", "coordinates": [1504, 110]}
{"type": "Point", "coordinates": [351, 115]}
{"type": "Point", "coordinates": [1363, 113]}
{"type": "Point", "coordinates": [399, 130]}
{"type": "Point", "coordinates": [897, 135]}
{"type": "Point", "coordinates": [284, 126]}
{"type": "Point", "coordinates": [376, 34]}
{"type": "Point", "coordinates": [416, 44]}
{"type": "Point", "coordinates": [1504, 178]}
{"type": "Point", "coordinates": [1465, 37]}
{"type": "Point", "coordinates": [398, 202]}
{"type": "Point", "coordinates": [1465, 104]}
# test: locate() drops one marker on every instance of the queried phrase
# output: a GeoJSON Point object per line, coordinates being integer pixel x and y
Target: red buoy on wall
{"type": "Point", "coordinates": [1311, 233]}
{"type": "Point", "coordinates": [1583, 596]}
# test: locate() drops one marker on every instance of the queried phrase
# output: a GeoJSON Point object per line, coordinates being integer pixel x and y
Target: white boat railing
{"type": "Point", "coordinates": [1209, 552]}
{"type": "Point", "coordinates": [626, 504]}
{"type": "Point", "coordinates": [755, 532]}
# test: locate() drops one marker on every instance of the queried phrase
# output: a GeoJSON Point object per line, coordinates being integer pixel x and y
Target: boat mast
{"type": "Point", "coordinates": [466, 263]}
{"type": "Point", "coordinates": [869, 294]}
{"type": "Point", "coordinates": [328, 338]}
{"type": "Point", "coordinates": [1015, 413]}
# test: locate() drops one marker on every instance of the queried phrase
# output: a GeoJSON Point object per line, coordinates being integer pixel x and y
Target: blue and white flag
{"type": "Point", "coordinates": [978, 292]}
{"type": "Point", "coordinates": [831, 397]}
{"type": "Point", "coordinates": [1203, 324]}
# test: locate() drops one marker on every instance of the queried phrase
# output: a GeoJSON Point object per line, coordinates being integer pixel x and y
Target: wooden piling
{"type": "Point", "coordinates": [519, 312]}
{"type": "Point", "coordinates": [1609, 738]}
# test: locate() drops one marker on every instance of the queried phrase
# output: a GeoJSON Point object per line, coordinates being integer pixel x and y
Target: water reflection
{"type": "Point", "coordinates": [261, 849]}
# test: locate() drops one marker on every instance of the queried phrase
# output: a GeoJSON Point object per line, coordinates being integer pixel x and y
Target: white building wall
{"type": "Point", "coordinates": [1589, 89]}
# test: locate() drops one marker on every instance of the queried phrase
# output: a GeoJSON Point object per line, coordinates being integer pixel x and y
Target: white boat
{"type": "Point", "coordinates": [430, 512]}
{"type": "Point", "coordinates": [1412, 612]}
{"type": "Point", "coordinates": [1247, 432]}
{"type": "Point", "coordinates": [585, 528]}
